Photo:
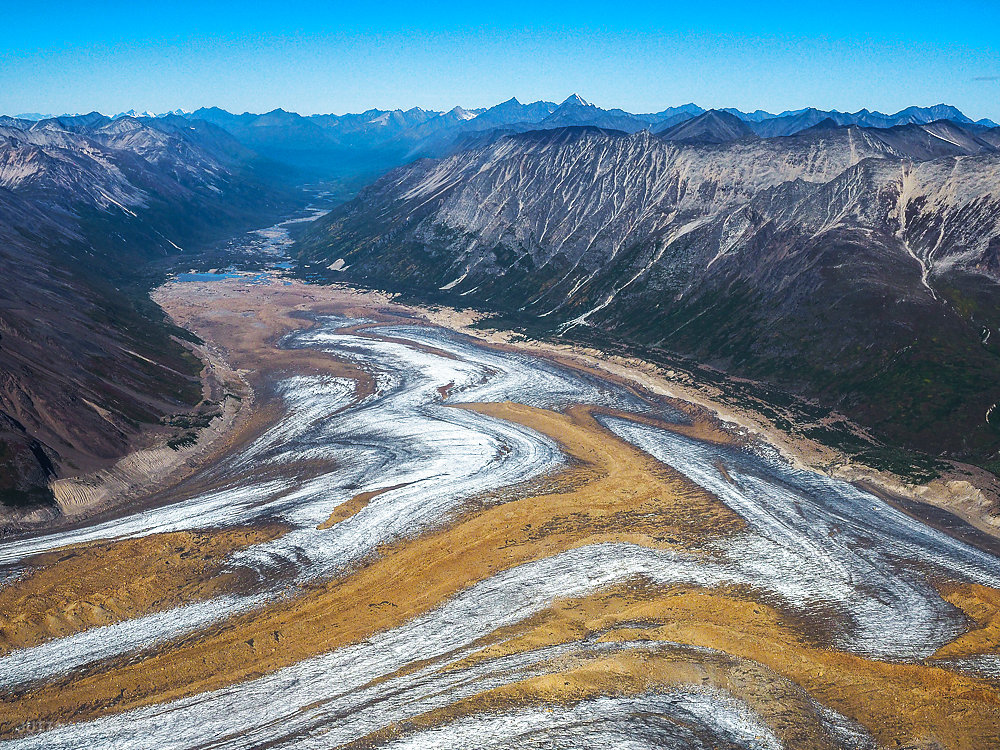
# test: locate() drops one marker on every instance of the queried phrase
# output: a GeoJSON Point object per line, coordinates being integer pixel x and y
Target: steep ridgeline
{"type": "Point", "coordinates": [855, 265]}
{"type": "Point", "coordinates": [789, 123]}
{"type": "Point", "coordinates": [85, 204]}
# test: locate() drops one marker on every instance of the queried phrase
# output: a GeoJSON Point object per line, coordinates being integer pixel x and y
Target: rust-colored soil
{"type": "Point", "coordinates": [76, 588]}
{"type": "Point", "coordinates": [982, 605]}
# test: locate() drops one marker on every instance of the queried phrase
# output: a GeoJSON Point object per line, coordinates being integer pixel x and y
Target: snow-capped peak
{"type": "Point", "coordinates": [133, 113]}
{"type": "Point", "coordinates": [463, 114]}
{"type": "Point", "coordinates": [575, 100]}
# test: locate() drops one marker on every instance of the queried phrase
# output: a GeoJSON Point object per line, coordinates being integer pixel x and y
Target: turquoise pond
{"type": "Point", "coordinates": [258, 278]}
{"type": "Point", "coordinates": [206, 276]}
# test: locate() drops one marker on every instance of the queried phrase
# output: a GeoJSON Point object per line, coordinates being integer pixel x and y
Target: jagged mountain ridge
{"type": "Point", "coordinates": [371, 142]}
{"type": "Point", "coordinates": [833, 254]}
{"type": "Point", "coordinates": [789, 123]}
{"type": "Point", "coordinates": [95, 162]}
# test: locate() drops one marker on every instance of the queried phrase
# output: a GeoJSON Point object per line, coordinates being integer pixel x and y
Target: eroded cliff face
{"type": "Point", "coordinates": [852, 264]}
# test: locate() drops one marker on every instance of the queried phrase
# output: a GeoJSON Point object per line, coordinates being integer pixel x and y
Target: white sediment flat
{"type": "Point", "coordinates": [820, 543]}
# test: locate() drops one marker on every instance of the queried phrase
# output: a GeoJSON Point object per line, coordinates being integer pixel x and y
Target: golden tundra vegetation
{"type": "Point", "coordinates": [70, 590]}
{"type": "Point", "coordinates": [608, 491]}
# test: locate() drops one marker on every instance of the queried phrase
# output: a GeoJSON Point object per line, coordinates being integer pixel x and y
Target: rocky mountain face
{"type": "Point", "coordinates": [86, 203]}
{"type": "Point", "coordinates": [854, 265]}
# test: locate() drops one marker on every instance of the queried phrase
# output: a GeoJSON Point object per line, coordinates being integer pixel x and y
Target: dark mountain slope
{"type": "Point", "coordinates": [933, 140]}
{"type": "Point", "coordinates": [85, 206]}
{"type": "Point", "coordinates": [714, 126]}
{"type": "Point", "coordinates": [991, 136]}
{"type": "Point", "coordinates": [833, 263]}
{"type": "Point", "coordinates": [83, 365]}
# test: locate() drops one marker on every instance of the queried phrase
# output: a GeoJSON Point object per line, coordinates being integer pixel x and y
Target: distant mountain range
{"type": "Point", "coordinates": [852, 264]}
{"type": "Point", "coordinates": [376, 140]}
{"type": "Point", "coordinates": [360, 145]}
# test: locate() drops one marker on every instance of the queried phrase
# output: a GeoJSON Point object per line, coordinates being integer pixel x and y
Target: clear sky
{"type": "Point", "coordinates": [641, 56]}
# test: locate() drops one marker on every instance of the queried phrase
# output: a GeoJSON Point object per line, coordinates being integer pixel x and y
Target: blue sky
{"type": "Point", "coordinates": [641, 56]}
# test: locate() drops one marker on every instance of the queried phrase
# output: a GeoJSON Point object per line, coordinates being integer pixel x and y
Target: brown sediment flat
{"type": "Point", "coordinates": [76, 588]}
{"type": "Point", "coordinates": [982, 605]}
{"type": "Point", "coordinates": [611, 492]}
{"type": "Point", "coordinates": [247, 322]}
{"type": "Point", "coordinates": [902, 705]}
{"type": "Point", "coordinates": [355, 505]}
